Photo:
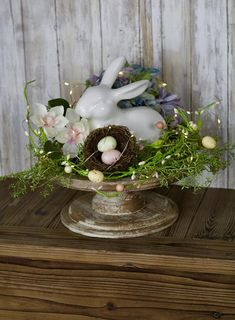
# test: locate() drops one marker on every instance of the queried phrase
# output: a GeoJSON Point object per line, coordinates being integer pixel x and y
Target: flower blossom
{"type": "Point", "coordinates": [193, 125]}
{"type": "Point", "coordinates": [51, 121]}
{"type": "Point", "coordinates": [73, 134]}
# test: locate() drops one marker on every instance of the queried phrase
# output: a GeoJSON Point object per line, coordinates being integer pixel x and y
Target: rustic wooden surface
{"type": "Point", "coordinates": [184, 272]}
{"type": "Point", "coordinates": [57, 41]}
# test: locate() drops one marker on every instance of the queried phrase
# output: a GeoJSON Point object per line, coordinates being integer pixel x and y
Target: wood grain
{"type": "Point", "coordinates": [188, 204]}
{"type": "Point", "coordinates": [39, 24]}
{"type": "Point", "coordinates": [156, 20]}
{"type": "Point", "coordinates": [176, 42]}
{"type": "Point", "coordinates": [209, 67]}
{"type": "Point", "coordinates": [185, 273]}
{"type": "Point", "coordinates": [100, 293]}
{"type": "Point", "coordinates": [210, 221]}
{"type": "Point", "coordinates": [13, 153]}
{"type": "Point", "coordinates": [120, 21]}
{"type": "Point", "coordinates": [231, 85]}
{"type": "Point", "coordinates": [146, 33]}
{"type": "Point", "coordinates": [79, 43]}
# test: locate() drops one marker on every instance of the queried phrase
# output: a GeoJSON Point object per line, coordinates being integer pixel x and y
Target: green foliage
{"type": "Point", "coordinates": [53, 149]}
{"type": "Point", "coordinates": [178, 156]}
{"type": "Point", "coordinates": [58, 102]}
{"type": "Point", "coordinates": [43, 176]}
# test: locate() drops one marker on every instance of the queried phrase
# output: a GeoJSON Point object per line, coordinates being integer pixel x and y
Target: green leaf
{"type": "Point", "coordinates": [58, 102]}
{"type": "Point", "coordinates": [88, 83]}
{"type": "Point", "coordinates": [156, 144]}
{"type": "Point", "coordinates": [54, 149]}
{"type": "Point", "coordinates": [144, 76]}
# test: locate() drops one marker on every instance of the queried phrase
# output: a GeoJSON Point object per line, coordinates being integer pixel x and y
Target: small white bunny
{"type": "Point", "coordinates": [99, 105]}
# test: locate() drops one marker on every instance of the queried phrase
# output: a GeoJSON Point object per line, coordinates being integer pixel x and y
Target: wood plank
{"type": "Point", "coordinates": [13, 153]}
{"type": "Point", "coordinates": [41, 49]}
{"type": "Point", "coordinates": [107, 294]}
{"type": "Point", "coordinates": [188, 203]}
{"type": "Point", "coordinates": [201, 256]}
{"type": "Point", "coordinates": [176, 42]}
{"type": "Point", "coordinates": [120, 30]}
{"type": "Point", "coordinates": [215, 216]}
{"type": "Point", "coordinates": [135, 313]}
{"type": "Point", "coordinates": [28, 315]}
{"type": "Point", "coordinates": [146, 33]}
{"type": "Point", "coordinates": [231, 85]}
{"type": "Point", "coordinates": [34, 210]}
{"type": "Point", "coordinates": [209, 67]}
{"type": "Point", "coordinates": [156, 9]}
{"type": "Point", "coordinates": [79, 43]}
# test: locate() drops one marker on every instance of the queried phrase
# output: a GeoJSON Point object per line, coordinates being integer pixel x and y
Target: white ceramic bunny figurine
{"type": "Point", "coordinates": [99, 105]}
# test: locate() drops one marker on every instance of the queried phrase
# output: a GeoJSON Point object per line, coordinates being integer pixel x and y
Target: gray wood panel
{"type": "Point", "coordinates": [231, 85]}
{"type": "Point", "coordinates": [57, 41]}
{"type": "Point", "coordinates": [120, 22]}
{"type": "Point", "coordinates": [79, 43]}
{"type": "Point", "coordinates": [176, 44]}
{"type": "Point", "coordinates": [209, 66]}
{"type": "Point", "coordinates": [13, 153]}
{"type": "Point", "coordinates": [39, 23]}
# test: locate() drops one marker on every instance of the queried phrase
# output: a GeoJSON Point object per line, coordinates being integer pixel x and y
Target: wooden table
{"type": "Point", "coordinates": [186, 272]}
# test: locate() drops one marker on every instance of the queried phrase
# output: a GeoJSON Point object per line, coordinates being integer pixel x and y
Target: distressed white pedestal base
{"type": "Point", "coordinates": [129, 215]}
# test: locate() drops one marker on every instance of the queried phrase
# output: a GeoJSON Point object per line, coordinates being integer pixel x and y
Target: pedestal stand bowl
{"type": "Point", "coordinates": [135, 212]}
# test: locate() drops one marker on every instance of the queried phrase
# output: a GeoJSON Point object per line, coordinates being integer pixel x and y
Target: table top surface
{"type": "Point", "coordinates": [205, 229]}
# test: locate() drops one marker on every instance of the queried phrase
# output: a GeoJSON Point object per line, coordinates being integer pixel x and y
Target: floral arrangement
{"type": "Point", "coordinates": [57, 136]}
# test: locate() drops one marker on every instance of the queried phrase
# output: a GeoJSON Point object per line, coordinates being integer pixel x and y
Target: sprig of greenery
{"type": "Point", "coordinates": [43, 176]}
{"type": "Point", "coordinates": [178, 156]}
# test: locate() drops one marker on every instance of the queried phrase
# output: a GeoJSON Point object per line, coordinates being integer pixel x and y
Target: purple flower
{"type": "Point", "coordinates": [128, 70]}
{"type": "Point", "coordinates": [168, 102]}
{"type": "Point", "coordinates": [94, 80]}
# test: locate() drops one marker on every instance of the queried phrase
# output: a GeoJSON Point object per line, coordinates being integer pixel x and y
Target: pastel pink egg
{"type": "Point", "coordinates": [111, 156]}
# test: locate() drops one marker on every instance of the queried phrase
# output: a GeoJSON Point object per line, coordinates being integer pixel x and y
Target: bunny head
{"type": "Point", "coordinates": [100, 102]}
{"type": "Point", "coordinates": [95, 103]}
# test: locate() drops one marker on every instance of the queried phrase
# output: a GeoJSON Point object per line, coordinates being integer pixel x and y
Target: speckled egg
{"type": "Point", "coordinates": [208, 142]}
{"type": "Point", "coordinates": [120, 187]}
{"type": "Point", "coordinates": [106, 144]}
{"type": "Point", "coordinates": [96, 176]}
{"type": "Point", "coordinates": [68, 169]}
{"type": "Point", "coordinates": [110, 157]}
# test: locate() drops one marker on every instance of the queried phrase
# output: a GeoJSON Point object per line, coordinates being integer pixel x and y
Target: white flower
{"type": "Point", "coordinates": [51, 121]}
{"type": "Point", "coordinates": [73, 134]}
{"type": "Point", "coordinates": [155, 175]}
{"type": "Point", "coordinates": [141, 163]}
{"type": "Point", "coordinates": [185, 133]}
{"type": "Point", "coordinates": [193, 125]}
{"type": "Point", "coordinates": [133, 175]}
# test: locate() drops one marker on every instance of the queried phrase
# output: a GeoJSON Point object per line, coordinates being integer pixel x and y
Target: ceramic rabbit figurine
{"type": "Point", "coordinates": [99, 105]}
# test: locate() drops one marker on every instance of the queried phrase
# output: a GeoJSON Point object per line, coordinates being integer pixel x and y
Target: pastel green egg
{"type": "Point", "coordinates": [106, 144]}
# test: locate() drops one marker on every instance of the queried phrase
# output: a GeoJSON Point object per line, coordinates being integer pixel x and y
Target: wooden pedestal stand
{"type": "Point", "coordinates": [132, 213]}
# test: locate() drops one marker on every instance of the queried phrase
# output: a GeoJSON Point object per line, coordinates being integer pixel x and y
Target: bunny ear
{"type": "Point", "coordinates": [131, 90]}
{"type": "Point", "coordinates": [111, 72]}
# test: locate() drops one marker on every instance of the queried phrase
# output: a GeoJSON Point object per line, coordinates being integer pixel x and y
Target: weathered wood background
{"type": "Point", "coordinates": [54, 41]}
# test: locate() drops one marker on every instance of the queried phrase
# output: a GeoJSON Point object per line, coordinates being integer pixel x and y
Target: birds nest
{"type": "Point", "coordinates": [126, 144]}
